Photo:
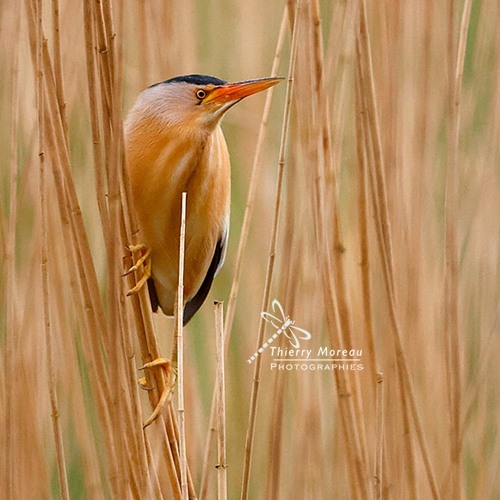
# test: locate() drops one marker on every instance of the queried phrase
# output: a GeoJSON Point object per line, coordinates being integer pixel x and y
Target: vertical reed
{"type": "Point", "coordinates": [221, 402]}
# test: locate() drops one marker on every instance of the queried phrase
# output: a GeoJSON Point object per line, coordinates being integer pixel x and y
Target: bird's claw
{"type": "Point", "coordinates": [145, 261]}
{"type": "Point", "coordinates": [136, 248]}
{"type": "Point", "coordinates": [166, 395]}
{"type": "Point", "coordinates": [143, 384]}
{"type": "Point", "coordinates": [140, 261]}
{"type": "Point", "coordinates": [158, 362]}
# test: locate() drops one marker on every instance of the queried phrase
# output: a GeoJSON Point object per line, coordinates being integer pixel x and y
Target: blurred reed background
{"type": "Point", "coordinates": [388, 242]}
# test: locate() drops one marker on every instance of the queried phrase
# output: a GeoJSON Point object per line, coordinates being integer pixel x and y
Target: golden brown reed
{"type": "Point", "coordinates": [386, 241]}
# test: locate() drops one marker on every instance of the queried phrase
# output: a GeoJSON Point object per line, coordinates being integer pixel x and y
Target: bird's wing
{"type": "Point", "coordinates": [153, 295]}
{"type": "Point", "coordinates": [217, 260]}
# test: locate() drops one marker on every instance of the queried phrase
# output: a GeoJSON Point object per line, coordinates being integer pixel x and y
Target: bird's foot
{"type": "Point", "coordinates": [145, 261]}
{"type": "Point", "coordinates": [166, 395]}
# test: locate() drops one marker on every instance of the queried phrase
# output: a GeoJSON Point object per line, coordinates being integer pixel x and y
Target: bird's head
{"type": "Point", "coordinates": [196, 102]}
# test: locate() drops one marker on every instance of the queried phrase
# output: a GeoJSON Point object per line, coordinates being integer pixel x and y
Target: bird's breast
{"type": "Point", "coordinates": [161, 167]}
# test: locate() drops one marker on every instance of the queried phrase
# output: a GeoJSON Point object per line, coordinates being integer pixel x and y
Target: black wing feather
{"type": "Point", "coordinates": [195, 303]}
{"type": "Point", "coordinates": [153, 295]}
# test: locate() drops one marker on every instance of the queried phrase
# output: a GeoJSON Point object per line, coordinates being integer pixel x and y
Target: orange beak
{"type": "Point", "coordinates": [234, 92]}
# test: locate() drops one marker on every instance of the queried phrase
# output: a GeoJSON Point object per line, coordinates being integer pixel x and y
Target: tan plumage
{"type": "Point", "coordinates": [174, 143]}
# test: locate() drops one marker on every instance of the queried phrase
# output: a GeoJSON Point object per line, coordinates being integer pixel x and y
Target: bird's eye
{"type": "Point", "coordinates": [201, 94]}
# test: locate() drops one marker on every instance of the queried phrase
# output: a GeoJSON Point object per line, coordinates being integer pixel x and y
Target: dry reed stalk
{"type": "Point", "coordinates": [456, 63]}
{"type": "Point", "coordinates": [363, 141]}
{"type": "Point", "coordinates": [330, 170]}
{"type": "Point", "coordinates": [378, 472]}
{"type": "Point", "coordinates": [242, 244]}
{"type": "Point", "coordinates": [56, 143]}
{"type": "Point", "coordinates": [143, 40]}
{"type": "Point", "coordinates": [121, 412]}
{"type": "Point", "coordinates": [94, 117]}
{"type": "Point", "coordinates": [56, 31]}
{"type": "Point", "coordinates": [379, 196]}
{"type": "Point", "coordinates": [363, 217]}
{"type": "Point", "coordinates": [479, 377]}
{"type": "Point", "coordinates": [347, 393]}
{"type": "Point", "coordinates": [276, 439]}
{"type": "Point", "coordinates": [180, 352]}
{"type": "Point", "coordinates": [316, 130]}
{"type": "Point", "coordinates": [292, 245]}
{"type": "Point", "coordinates": [252, 417]}
{"type": "Point", "coordinates": [85, 267]}
{"type": "Point", "coordinates": [48, 79]}
{"type": "Point", "coordinates": [411, 474]}
{"type": "Point", "coordinates": [27, 366]}
{"type": "Point", "coordinates": [61, 152]}
{"type": "Point", "coordinates": [11, 316]}
{"type": "Point", "coordinates": [128, 407]}
{"type": "Point", "coordinates": [119, 196]}
{"type": "Point", "coordinates": [367, 157]}
{"type": "Point", "coordinates": [221, 402]}
{"type": "Point", "coordinates": [366, 135]}
{"type": "Point", "coordinates": [44, 256]}
{"type": "Point", "coordinates": [73, 403]}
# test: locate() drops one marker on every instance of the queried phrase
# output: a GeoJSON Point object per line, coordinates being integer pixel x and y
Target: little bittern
{"type": "Point", "coordinates": [174, 143]}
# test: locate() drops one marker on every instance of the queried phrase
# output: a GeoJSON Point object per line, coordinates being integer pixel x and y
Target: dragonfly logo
{"type": "Point", "coordinates": [283, 325]}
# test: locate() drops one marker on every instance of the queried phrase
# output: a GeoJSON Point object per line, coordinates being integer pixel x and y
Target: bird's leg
{"type": "Point", "coordinates": [145, 261]}
{"type": "Point", "coordinates": [170, 367]}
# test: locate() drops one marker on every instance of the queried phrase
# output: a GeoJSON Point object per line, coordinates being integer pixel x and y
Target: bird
{"type": "Point", "coordinates": [174, 144]}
